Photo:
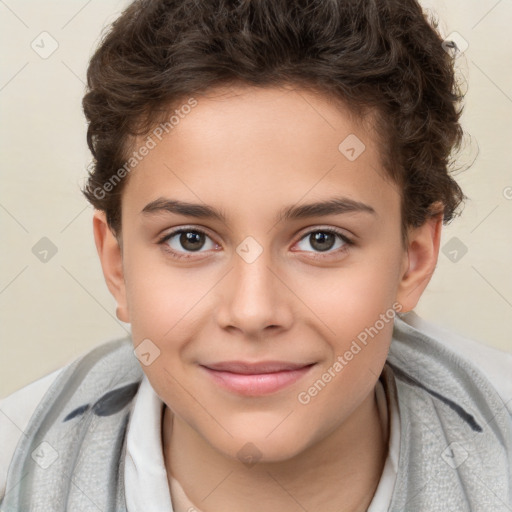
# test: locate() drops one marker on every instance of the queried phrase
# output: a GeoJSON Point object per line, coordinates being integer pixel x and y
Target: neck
{"type": "Point", "coordinates": [339, 473]}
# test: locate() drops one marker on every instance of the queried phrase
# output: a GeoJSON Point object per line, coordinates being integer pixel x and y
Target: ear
{"type": "Point", "coordinates": [420, 261]}
{"type": "Point", "coordinates": [111, 260]}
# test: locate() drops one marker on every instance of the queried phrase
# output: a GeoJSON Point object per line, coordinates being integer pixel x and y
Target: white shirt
{"type": "Point", "coordinates": [146, 484]}
{"type": "Point", "coordinates": [146, 476]}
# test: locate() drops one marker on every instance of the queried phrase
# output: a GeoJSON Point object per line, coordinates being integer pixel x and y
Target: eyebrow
{"type": "Point", "coordinates": [334, 206]}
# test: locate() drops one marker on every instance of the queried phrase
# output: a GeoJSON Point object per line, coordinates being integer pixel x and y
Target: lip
{"type": "Point", "coordinates": [256, 379]}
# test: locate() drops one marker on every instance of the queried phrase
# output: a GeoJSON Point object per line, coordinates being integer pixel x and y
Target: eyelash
{"type": "Point", "coordinates": [163, 241]}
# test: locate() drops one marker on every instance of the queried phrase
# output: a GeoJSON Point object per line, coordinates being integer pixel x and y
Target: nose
{"type": "Point", "coordinates": [255, 299]}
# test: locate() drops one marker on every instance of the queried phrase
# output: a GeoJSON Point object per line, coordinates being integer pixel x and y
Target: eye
{"type": "Point", "coordinates": [182, 242]}
{"type": "Point", "coordinates": [186, 240]}
{"type": "Point", "coordinates": [324, 240]}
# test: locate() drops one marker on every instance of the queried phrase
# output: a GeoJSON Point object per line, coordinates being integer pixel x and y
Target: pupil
{"type": "Point", "coordinates": [322, 241]}
{"type": "Point", "coordinates": [192, 240]}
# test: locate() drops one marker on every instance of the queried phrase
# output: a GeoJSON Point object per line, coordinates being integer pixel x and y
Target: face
{"type": "Point", "coordinates": [263, 262]}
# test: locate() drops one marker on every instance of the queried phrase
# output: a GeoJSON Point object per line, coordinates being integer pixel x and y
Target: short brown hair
{"type": "Point", "coordinates": [385, 57]}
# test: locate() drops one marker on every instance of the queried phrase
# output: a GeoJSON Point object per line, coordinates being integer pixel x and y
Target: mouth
{"type": "Point", "coordinates": [256, 379]}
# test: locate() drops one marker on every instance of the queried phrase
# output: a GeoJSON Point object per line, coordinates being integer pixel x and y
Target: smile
{"type": "Point", "coordinates": [256, 379]}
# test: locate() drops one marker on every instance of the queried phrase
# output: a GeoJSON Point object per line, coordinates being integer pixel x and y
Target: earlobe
{"type": "Point", "coordinates": [420, 261]}
{"type": "Point", "coordinates": [111, 261]}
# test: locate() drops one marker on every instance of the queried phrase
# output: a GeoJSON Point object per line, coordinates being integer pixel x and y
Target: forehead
{"type": "Point", "coordinates": [240, 145]}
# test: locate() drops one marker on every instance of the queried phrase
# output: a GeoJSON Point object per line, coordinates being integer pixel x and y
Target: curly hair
{"type": "Point", "coordinates": [383, 57]}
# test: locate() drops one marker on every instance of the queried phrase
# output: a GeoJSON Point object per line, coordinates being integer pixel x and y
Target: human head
{"type": "Point", "coordinates": [269, 103]}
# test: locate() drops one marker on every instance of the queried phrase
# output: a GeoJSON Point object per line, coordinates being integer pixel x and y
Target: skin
{"type": "Point", "coordinates": [250, 152]}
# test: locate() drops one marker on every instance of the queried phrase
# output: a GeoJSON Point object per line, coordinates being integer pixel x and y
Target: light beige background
{"type": "Point", "coordinates": [52, 312]}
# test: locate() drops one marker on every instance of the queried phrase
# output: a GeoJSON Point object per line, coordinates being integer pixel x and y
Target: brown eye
{"type": "Point", "coordinates": [182, 242]}
{"type": "Point", "coordinates": [322, 240]}
{"type": "Point", "coordinates": [192, 240]}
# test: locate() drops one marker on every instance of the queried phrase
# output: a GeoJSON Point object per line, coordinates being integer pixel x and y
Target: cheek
{"type": "Point", "coordinates": [153, 309]}
{"type": "Point", "coordinates": [160, 304]}
{"type": "Point", "coordinates": [158, 295]}
{"type": "Point", "coordinates": [349, 299]}
{"type": "Point", "coordinates": [361, 327]}
{"type": "Point", "coordinates": [356, 309]}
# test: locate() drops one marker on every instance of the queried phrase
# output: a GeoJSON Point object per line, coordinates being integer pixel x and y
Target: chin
{"type": "Point", "coordinates": [256, 447]}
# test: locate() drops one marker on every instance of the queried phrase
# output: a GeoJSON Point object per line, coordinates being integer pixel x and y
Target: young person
{"type": "Point", "coordinates": [270, 183]}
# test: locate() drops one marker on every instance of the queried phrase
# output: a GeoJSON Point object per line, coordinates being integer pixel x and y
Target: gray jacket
{"type": "Point", "coordinates": [455, 446]}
